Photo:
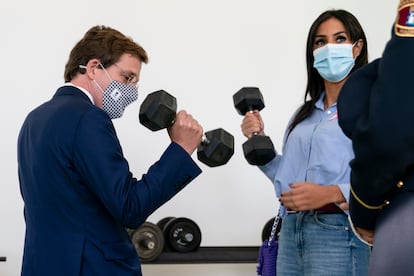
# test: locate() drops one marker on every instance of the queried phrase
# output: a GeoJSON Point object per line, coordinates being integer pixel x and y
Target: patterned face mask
{"type": "Point", "coordinates": [117, 96]}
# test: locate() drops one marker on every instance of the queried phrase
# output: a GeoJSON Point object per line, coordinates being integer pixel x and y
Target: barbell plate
{"type": "Point", "coordinates": [182, 235]}
{"type": "Point", "coordinates": [148, 240]}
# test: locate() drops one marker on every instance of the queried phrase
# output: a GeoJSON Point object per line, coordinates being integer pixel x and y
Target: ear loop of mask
{"type": "Point", "coordinates": [82, 69]}
{"type": "Point", "coordinates": [106, 72]}
{"type": "Point", "coordinates": [353, 45]}
{"type": "Point", "coordinates": [97, 84]}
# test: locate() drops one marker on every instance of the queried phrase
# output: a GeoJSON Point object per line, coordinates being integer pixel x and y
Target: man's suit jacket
{"type": "Point", "coordinates": [376, 110]}
{"type": "Point", "coordinates": [79, 194]}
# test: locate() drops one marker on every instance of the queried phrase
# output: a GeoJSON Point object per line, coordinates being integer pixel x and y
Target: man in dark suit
{"type": "Point", "coordinates": [78, 192]}
{"type": "Point", "coordinates": [375, 109]}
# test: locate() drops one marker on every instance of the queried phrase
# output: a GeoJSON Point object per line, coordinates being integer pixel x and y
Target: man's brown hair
{"type": "Point", "coordinates": [103, 43]}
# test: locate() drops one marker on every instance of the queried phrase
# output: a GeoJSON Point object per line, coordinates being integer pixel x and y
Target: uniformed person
{"type": "Point", "coordinates": [381, 126]}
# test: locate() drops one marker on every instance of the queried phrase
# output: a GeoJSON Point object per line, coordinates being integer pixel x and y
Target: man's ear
{"type": "Point", "coordinates": [91, 67]}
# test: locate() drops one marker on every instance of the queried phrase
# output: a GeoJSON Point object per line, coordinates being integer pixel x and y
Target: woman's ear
{"type": "Point", "coordinates": [356, 50]}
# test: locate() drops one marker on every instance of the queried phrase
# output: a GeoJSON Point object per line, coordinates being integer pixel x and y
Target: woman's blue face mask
{"type": "Point", "coordinates": [334, 61]}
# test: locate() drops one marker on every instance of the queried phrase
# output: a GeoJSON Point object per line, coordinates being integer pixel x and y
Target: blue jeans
{"type": "Point", "coordinates": [319, 244]}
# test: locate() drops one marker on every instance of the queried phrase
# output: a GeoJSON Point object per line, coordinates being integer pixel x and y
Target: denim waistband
{"type": "Point", "coordinates": [330, 208]}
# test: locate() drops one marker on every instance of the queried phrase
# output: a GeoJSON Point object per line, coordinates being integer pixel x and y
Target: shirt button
{"type": "Point", "coordinates": [329, 112]}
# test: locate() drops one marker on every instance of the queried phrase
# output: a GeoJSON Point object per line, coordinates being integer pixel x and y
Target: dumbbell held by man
{"type": "Point", "coordinates": [159, 110]}
{"type": "Point", "coordinates": [258, 149]}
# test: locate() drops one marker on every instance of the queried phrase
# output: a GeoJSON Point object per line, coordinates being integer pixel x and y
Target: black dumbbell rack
{"type": "Point", "coordinates": [210, 255]}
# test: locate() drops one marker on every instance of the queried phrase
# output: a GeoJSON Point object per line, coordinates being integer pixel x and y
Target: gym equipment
{"type": "Point", "coordinates": [148, 240]}
{"type": "Point", "coordinates": [158, 111]}
{"type": "Point", "coordinates": [161, 224]}
{"type": "Point", "coordinates": [217, 147]}
{"type": "Point", "coordinates": [267, 229]}
{"type": "Point", "coordinates": [181, 234]}
{"type": "Point", "coordinates": [258, 149]}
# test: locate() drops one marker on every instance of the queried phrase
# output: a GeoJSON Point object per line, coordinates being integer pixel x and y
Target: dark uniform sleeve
{"type": "Point", "coordinates": [376, 110]}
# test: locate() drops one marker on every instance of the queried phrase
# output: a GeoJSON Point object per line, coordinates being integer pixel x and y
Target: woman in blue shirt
{"type": "Point", "coordinates": [312, 176]}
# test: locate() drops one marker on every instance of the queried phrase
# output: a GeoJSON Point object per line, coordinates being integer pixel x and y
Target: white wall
{"type": "Point", "coordinates": [202, 51]}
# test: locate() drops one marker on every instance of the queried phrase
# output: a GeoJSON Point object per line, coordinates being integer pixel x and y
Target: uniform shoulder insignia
{"type": "Point", "coordinates": [404, 24]}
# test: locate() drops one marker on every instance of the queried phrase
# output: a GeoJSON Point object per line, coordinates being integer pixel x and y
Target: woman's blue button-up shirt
{"type": "Point", "coordinates": [316, 150]}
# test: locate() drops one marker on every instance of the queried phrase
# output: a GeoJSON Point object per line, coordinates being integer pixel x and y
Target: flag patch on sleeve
{"type": "Point", "coordinates": [404, 25]}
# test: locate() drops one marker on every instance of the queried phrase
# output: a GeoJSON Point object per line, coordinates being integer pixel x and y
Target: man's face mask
{"type": "Point", "coordinates": [334, 61]}
{"type": "Point", "coordinates": [117, 96]}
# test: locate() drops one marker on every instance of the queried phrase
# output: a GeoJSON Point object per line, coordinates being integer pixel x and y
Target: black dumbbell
{"type": "Point", "coordinates": [258, 149]}
{"type": "Point", "coordinates": [148, 240]}
{"type": "Point", "coordinates": [180, 234]}
{"type": "Point", "coordinates": [158, 111]}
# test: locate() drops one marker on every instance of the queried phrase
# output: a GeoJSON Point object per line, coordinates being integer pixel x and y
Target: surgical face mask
{"type": "Point", "coordinates": [117, 96]}
{"type": "Point", "coordinates": [334, 61]}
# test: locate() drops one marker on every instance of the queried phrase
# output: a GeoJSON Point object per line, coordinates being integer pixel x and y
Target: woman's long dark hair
{"type": "Point", "coordinates": [315, 84]}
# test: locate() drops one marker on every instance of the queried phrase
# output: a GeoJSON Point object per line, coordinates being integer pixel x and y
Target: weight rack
{"type": "Point", "coordinates": [210, 255]}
